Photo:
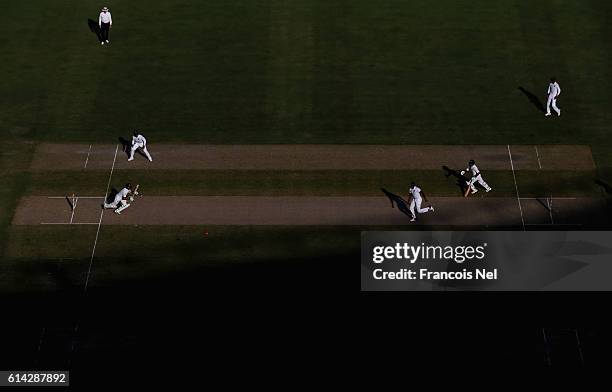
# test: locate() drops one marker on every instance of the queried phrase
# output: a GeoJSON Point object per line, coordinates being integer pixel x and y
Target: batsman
{"type": "Point", "coordinates": [120, 202]}
{"type": "Point", "coordinates": [476, 177]}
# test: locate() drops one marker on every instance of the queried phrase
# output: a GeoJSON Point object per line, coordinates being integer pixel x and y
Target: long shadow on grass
{"type": "Point", "coordinates": [533, 99]}
{"type": "Point", "coordinates": [462, 182]}
{"type": "Point", "coordinates": [606, 187]}
{"type": "Point", "coordinates": [402, 204]}
{"type": "Point", "coordinates": [93, 26]}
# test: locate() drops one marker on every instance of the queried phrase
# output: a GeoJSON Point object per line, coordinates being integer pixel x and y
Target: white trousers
{"type": "Point", "coordinates": [417, 203]}
{"type": "Point", "coordinates": [478, 179]}
{"type": "Point", "coordinates": [116, 203]}
{"type": "Point", "coordinates": [144, 149]}
{"type": "Point", "coordinates": [552, 101]}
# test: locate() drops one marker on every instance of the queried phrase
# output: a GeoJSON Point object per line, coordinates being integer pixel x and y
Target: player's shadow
{"type": "Point", "coordinates": [95, 28]}
{"type": "Point", "coordinates": [402, 204]}
{"type": "Point", "coordinates": [111, 195]}
{"type": "Point", "coordinates": [126, 145]}
{"type": "Point", "coordinates": [606, 187]}
{"type": "Point", "coordinates": [533, 99]}
{"type": "Point", "coordinates": [462, 182]}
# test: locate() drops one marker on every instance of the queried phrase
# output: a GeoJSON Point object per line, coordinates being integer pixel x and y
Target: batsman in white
{"type": "Point", "coordinates": [416, 200]}
{"type": "Point", "coordinates": [120, 203]}
{"type": "Point", "coordinates": [139, 141]}
{"type": "Point", "coordinates": [554, 90]}
{"type": "Point", "coordinates": [476, 177]}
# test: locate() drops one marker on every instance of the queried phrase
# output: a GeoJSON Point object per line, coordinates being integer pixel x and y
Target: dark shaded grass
{"type": "Point", "coordinates": [309, 183]}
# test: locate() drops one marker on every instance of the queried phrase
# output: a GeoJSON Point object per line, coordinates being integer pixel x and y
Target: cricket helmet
{"type": "Point", "coordinates": [104, 9]}
{"type": "Point", "coordinates": [471, 162]}
{"type": "Point", "coordinates": [128, 185]}
{"type": "Point", "coordinates": [412, 184]}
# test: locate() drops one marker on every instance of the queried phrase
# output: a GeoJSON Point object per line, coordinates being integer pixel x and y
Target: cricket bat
{"type": "Point", "coordinates": [135, 193]}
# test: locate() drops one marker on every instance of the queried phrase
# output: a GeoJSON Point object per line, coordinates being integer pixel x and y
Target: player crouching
{"type": "Point", "coordinates": [120, 203]}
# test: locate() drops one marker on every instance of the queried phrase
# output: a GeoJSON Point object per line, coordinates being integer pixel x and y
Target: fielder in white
{"type": "Point", "coordinates": [139, 141]}
{"type": "Point", "coordinates": [554, 90]}
{"type": "Point", "coordinates": [476, 177]}
{"type": "Point", "coordinates": [416, 200]}
{"type": "Point", "coordinates": [120, 203]}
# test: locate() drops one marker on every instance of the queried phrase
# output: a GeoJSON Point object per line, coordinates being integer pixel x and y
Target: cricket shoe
{"type": "Point", "coordinates": [474, 191]}
{"type": "Point", "coordinates": [431, 208]}
{"type": "Point", "coordinates": [102, 43]}
{"type": "Point", "coordinates": [547, 114]}
{"type": "Point", "coordinates": [412, 219]}
{"type": "Point", "coordinates": [130, 159]}
{"type": "Point", "coordinates": [489, 190]}
{"type": "Point", "coordinates": [107, 41]}
{"type": "Point", "coordinates": [117, 212]}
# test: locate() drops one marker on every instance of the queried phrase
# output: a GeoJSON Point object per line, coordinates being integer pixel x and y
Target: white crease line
{"type": "Point", "coordinates": [538, 155]}
{"type": "Point", "coordinates": [79, 197]}
{"type": "Point", "coordinates": [68, 223]}
{"type": "Point", "coordinates": [87, 159]}
{"type": "Point", "coordinates": [553, 198]}
{"type": "Point", "coordinates": [553, 225]}
{"type": "Point", "coordinates": [518, 197]}
{"type": "Point", "coordinates": [93, 251]}
{"type": "Point", "coordinates": [549, 202]}
{"type": "Point", "coordinates": [74, 204]}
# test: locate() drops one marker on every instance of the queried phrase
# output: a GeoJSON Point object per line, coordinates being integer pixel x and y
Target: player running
{"type": "Point", "coordinates": [554, 90]}
{"type": "Point", "coordinates": [476, 177]}
{"type": "Point", "coordinates": [415, 201]}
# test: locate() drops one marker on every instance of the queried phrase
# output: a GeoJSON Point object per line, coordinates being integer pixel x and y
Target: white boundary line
{"type": "Point", "coordinates": [93, 251]}
{"type": "Point", "coordinates": [518, 197]}
{"type": "Point", "coordinates": [538, 155]}
{"type": "Point", "coordinates": [87, 159]}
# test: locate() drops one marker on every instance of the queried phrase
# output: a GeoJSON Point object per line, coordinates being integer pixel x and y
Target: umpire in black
{"type": "Point", "coordinates": [105, 21]}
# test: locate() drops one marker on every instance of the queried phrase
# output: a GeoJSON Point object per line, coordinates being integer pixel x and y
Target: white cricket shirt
{"type": "Point", "coordinates": [105, 17]}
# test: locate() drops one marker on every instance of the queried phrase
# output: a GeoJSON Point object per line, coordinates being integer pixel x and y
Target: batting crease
{"type": "Point", "coordinates": [87, 159]}
{"type": "Point", "coordinates": [518, 197]}
{"type": "Point", "coordinates": [93, 251]}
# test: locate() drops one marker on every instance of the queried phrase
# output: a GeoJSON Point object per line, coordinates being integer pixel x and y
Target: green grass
{"type": "Point", "coordinates": [245, 71]}
{"type": "Point", "coordinates": [160, 250]}
{"type": "Point", "coordinates": [308, 71]}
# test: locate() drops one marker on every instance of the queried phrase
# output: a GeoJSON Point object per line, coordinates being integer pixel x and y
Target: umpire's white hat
{"type": "Point", "coordinates": [105, 9]}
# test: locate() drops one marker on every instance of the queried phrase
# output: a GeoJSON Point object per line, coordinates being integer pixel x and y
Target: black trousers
{"type": "Point", "coordinates": [105, 29]}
